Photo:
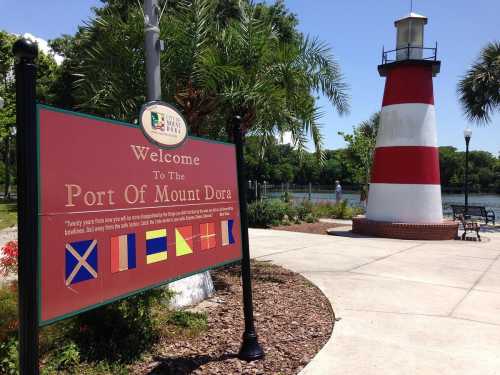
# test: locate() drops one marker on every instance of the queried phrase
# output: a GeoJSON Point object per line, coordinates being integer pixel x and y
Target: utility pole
{"type": "Point", "coordinates": [152, 48]}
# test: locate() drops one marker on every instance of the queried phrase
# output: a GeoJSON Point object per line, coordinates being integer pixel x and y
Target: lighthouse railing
{"type": "Point", "coordinates": [409, 53]}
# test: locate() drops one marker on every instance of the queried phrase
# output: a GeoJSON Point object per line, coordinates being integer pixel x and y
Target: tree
{"type": "Point", "coordinates": [479, 90]}
{"type": "Point", "coordinates": [46, 73]}
{"type": "Point", "coordinates": [8, 112]}
{"type": "Point", "coordinates": [223, 59]}
{"type": "Point", "coordinates": [361, 145]}
{"type": "Point", "coordinates": [451, 165]}
{"type": "Point", "coordinates": [274, 91]}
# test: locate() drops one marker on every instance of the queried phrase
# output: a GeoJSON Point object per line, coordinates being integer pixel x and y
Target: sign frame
{"type": "Point", "coordinates": [41, 322]}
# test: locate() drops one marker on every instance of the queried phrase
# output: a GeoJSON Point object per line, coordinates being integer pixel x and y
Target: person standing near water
{"type": "Point", "coordinates": [338, 192]}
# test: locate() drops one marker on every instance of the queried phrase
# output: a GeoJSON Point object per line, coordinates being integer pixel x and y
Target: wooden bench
{"type": "Point", "coordinates": [474, 211]}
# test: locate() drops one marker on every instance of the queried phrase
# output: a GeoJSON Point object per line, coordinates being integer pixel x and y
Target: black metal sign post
{"type": "Point", "coordinates": [250, 348]}
{"type": "Point", "coordinates": [26, 52]}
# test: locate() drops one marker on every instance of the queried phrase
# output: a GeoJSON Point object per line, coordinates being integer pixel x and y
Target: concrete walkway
{"type": "Point", "coordinates": [405, 307]}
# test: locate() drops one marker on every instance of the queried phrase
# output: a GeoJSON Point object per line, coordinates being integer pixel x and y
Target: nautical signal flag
{"type": "Point", "coordinates": [123, 256]}
{"type": "Point", "coordinates": [156, 246]}
{"type": "Point", "coordinates": [226, 227]}
{"type": "Point", "coordinates": [184, 240]}
{"type": "Point", "coordinates": [207, 236]}
{"type": "Point", "coordinates": [81, 261]}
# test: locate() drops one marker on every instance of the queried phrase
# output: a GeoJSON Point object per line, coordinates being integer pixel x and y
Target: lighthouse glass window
{"type": "Point", "coordinates": [410, 33]}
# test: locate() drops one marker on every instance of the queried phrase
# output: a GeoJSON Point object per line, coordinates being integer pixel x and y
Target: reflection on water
{"type": "Point", "coordinates": [488, 200]}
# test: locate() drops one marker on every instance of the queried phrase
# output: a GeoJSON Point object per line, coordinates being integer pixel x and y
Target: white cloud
{"type": "Point", "coordinates": [44, 47]}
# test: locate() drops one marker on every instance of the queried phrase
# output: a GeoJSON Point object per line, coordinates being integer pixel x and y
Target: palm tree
{"type": "Point", "coordinates": [276, 88]}
{"type": "Point", "coordinates": [215, 68]}
{"type": "Point", "coordinates": [369, 128]}
{"type": "Point", "coordinates": [479, 89]}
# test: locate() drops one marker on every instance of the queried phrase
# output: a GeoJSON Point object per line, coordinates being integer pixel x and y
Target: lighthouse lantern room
{"type": "Point", "coordinates": [410, 36]}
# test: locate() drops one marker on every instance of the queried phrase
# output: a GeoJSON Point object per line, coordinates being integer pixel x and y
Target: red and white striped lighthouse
{"type": "Point", "coordinates": [405, 188]}
{"type": "Point", "coordinates": [405, 184]}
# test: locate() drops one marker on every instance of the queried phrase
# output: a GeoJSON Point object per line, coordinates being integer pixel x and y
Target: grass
{"type": "Point", "coordinates": [183, 323]}
{"type": "Point", "coordinates": [8, 215]}
{"type": "Point", "coordinates": [192, 321]}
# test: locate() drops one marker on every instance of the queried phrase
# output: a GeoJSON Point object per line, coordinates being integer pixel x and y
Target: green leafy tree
{"type": "Point", "coordinates": [274, 91]}
{"type": "Point", "coordinates": [8, 112]}
{"type": "Point", "coordinates": [223, 59]}
{"type": "Point", "coordinates": [451, 165]}
{"type": "Point", "coordinates": [46, 75]}
{"type": "Point", "coordinates": [361, 145]}
{"type": "Point", "coordinates": [479, 89]}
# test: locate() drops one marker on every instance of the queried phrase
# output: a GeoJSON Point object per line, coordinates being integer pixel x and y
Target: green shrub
{"type": "Point", "coordinates": [8, 329]}
{"type": "Point", "coordinates": [100, 341]}
{"type": "Point", "coordinates": [291, 212]}
{"type": "Point", "coordinates": [66, 356]}
{"type": "Point", "coordinates": [118, 332]}
{"type": "Point", "coordinates": [310, 218]}
{"type": "Point", "coordinates": [9, 356]}
{"type": "Point", "coordinates": [86, 368]}
{"type": "Point", "coordinates": [323, 209]}
{"type": "Point", "coordinates": [336, 211]}
{"type": "Point", "coordinates": [305, 209]}
{"type": "Point", "coordinates": [273, 212]}
{"type": "Point", "coordinates": [344, 211]}
{"type": "Point", "coordinates": [266, 213]}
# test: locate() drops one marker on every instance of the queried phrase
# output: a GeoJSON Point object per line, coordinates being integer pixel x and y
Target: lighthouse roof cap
{"type": "Point", "coordinates": [412, 15]}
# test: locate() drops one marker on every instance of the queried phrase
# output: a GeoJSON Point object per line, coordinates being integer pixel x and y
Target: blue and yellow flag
{"type": "Point", "coordinates": [156, 246]}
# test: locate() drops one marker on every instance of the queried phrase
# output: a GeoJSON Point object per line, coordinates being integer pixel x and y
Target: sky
{"type": "Point", "coordinates": [356, 30]}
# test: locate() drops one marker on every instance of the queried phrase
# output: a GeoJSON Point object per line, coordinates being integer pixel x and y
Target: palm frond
{"type": "Point", "coordinates": [479, 89]}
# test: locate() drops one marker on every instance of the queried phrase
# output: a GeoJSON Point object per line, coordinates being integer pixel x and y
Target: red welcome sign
{"type": "Point", "coordinates": [118, 215]}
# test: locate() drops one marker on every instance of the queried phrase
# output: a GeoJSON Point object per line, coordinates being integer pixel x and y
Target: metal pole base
{"type": "Point", "coordinates": [250, 348]}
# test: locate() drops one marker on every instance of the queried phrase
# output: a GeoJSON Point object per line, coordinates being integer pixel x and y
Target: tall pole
{"type": "Point", "coordinates": [466, 179]}
{"type": "Point", "coordinates": [250, 348]}
{"type": "Point", "coordinates": [152, 49]}
{"type": "Point", "coordinates": [26, 52]}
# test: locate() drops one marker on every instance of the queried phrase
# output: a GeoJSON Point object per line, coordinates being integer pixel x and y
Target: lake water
{"type": "Point", "coordinates": [488, 200]}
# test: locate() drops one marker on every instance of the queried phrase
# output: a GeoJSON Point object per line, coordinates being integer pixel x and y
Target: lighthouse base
{"type": "Point", "coordinates": [446, 230]}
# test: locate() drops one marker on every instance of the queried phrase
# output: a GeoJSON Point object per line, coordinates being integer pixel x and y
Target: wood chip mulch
{"type": "Point", "coordinates": [316, 228]}
{"type": "Point", "coordinates": [293, 320]}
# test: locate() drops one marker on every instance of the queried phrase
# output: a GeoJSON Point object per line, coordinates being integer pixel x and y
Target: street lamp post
{"type": "Point", "coordinates": [467, 136]}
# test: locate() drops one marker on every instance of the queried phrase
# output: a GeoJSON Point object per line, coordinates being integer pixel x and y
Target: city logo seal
{"type": "Point", "coordinates": [162, 124]}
